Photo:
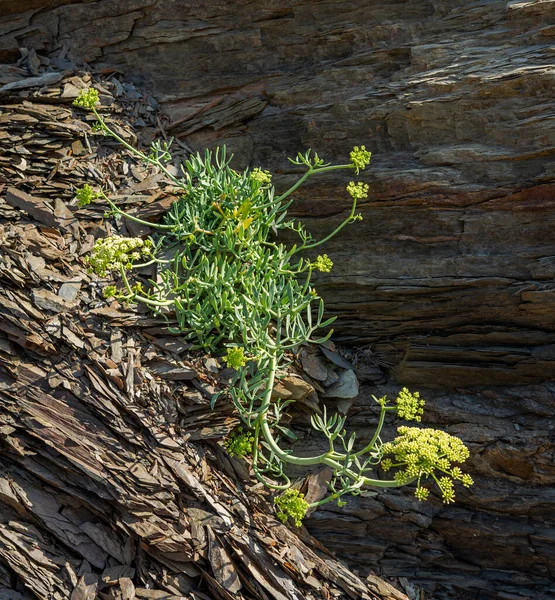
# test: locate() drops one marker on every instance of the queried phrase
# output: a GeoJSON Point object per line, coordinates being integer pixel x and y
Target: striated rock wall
{"type": "Point", "coordinates": [498, 539]}
{"type": "Point", "coordinates": [449, 276]}
{"type": "Point", "coordinates": [454, 264]}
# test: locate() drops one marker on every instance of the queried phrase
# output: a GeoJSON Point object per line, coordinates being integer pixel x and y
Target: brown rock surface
{"type": "Point", "coordinates": [452, 277]}
{"type": "Point", "coordinates": [498, 537]}
{"type": "Point", "coordinates": [113, 484]}
{"type": "Point", "coordinates": [455, 254]}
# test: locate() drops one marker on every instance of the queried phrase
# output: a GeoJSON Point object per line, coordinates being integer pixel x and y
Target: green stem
{"type": "Point", "coordinates": [257, 474]}
{"type": "Point", "coordinates": [335, 496]}
{"type": "Point", "coordinates": [297, 185]}
{"type": "Point", "coordinates": [135, 296]}
{"type": "Point", "coordinates": [312, 171]}
{"type": "Point", "coordinates": [332, 168]}
{"type": "Point", "coordinates": [333, 233]}
{"type": "Point", "coordinates": [135, 219]}
{"type": "Point", "coordinates": [370, 444]}
{"type": "Point", "coordinates": [151, 262]}
{"type": "Point", "coordinates": [138, 153]}
{"type": "Point", "coordinates": [320, 459]}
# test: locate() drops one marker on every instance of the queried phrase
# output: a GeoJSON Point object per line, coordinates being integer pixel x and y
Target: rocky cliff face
{"type": "Point", "coordinates": [449, 276]}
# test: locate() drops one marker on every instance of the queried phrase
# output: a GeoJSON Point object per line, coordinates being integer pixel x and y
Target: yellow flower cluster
{"type": "Point", "coordinates": [291, 504]}
{"type": "Point", "coordinates": [358, 191]}
{"type": "Point", "coordinates": [86, 195]}
{"type": "Point", "coordinates": [117, 252]}
{"type": "Point", "coordinates": [260, 176]}
{"type": "Point", "coordinates": [410, 406]}
{"type": "Point", "coordinates": [422, 493]}
{"type": "Point", "coordinates": [235, 357]}
{"type": "Point", "coordinates": [323, 263]}
{"type": "Point", "coordinates": [360, 158]}
{"type": "Point", "coordinates": [87, 99]}
{"type": "Point", "coordinates": [422, 452]}
{"type": "Point", "coordinates": [239, 443]}
{"type": "Point", "coordinates": [110, 291]}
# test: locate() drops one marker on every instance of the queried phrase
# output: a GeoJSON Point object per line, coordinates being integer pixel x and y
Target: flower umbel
{"type": "Point", "coordinates": [235, 357]}
{"type": "Point", "coordinates": [86, 195]}
{"type": "Point", "coordinates": [239, 443]}
{"type": "Point", "coordinates": [110, 291]}
{"type": "Point", "coordinates": [422, 493]}
{"type": "Point", "coordinates": [262, 177]}
{"type": "Point", "coordinates": [87, 99]}
{"type": "Point", "coordinates": [360, 158]}
{"type": "Point", "coordinates": [116, 253]}
{"type": "Point", "coordinates": [323, 263]}
{"type": "Point", "coordinates": [422, 453]}
{"type": "Point", "coordinates": [410, 406]}
{"type": "Point", "coordinates": [358, 191]}
{"type": "Point", "coordinates": [291, 504]}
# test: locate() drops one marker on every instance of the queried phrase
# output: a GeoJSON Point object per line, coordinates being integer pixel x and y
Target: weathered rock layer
{"type": "Point", "coordinates": [449, 276]}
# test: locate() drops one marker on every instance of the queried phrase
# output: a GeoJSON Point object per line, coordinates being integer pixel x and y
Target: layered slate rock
{"type": "Point", "coordinates": [113, 479]}
{"type": "Point", "coordinates": [496, 540]}
{"type": "Point", "coordinates": [455, 254]}
{"type": "Point", "coordinates": [449, 276]}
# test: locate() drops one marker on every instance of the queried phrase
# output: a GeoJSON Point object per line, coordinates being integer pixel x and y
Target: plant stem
{"type": "Point", "coordinates": [333, 233]}
{"type": "Point", "coordinates": [135, 219]}
{"type": "Point", "coordinates": [312, 171]}
{"type": "Point", "coordinates": [320, 459]}
{"type": "Point", "coordinates": [370, 445]}
{"type": "Point", "coordinates": [138, 153]}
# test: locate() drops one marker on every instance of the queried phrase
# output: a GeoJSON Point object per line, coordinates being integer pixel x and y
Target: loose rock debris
{"type": "Point", "coordinates": [112, 480]}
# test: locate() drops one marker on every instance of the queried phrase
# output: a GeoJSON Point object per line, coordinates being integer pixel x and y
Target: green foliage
{"type": "Point", "coordinates": [291, 504]}
{"type": "Point", "coordinates": [229, 282]}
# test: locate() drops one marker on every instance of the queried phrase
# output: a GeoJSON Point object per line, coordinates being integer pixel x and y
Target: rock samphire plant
{"type": "Point", "coordinates": [230, 286]}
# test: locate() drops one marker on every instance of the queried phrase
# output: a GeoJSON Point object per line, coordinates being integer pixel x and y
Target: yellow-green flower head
{"type": "Point", "coordinates": [409, 405]}
{"type": "Point", "coordinates": [116, 252]}
{"type": "Point", "coordinates": [360, 158]}
{"type": "Point", "coordinates": [86, 195]}
{"type": "Point", "coordinates": [138, 287]}
{"type": "Point", "coordinates": [110, 291]}
{"type": "Point", "coordinates": [466, 480]}
{"type": "Point", "coordinates": [447, 489]}
{"type": "Point", "coordinates": [87, 99]}
{"type": "Point", "coordinates": [422, 453]}
{"type": "Point", "coordinates": [291, 504]}
{"type": "Point", "coordinates": [239, 443]}
{"type": "Point", "coordinates": [358, 191]}
{"type": "Point", "coordinates": [260, 176]}
{"type": "Point", "coordinates": [235, 357]}
{"type": "Point", "coordinates": [386, 464]}
{"type": "Point", "coordinates": [323, 263]}
{"type": "Point", "coordinates": [422, 493]}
